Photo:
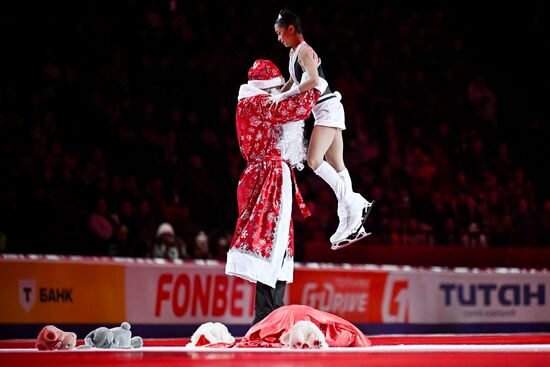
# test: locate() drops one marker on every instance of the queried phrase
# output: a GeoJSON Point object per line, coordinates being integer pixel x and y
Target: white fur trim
{"type": "Point", "coordinates": [246, 91]}
{"type": "Point", "coordinates": [266, 84]}
{"type": "Point", "coordinates": [214, 332]}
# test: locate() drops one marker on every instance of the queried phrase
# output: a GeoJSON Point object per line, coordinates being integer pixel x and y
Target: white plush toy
{"type": "Point", "coordinates": [304, 335]}
{"type": "Point", "coordinates": [210, 333]}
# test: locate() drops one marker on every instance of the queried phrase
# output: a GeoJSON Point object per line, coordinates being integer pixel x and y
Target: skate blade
{"type": "Point", "coordinates": [348, 241]}
{"type": "Point", "coordinates": [364, 216]}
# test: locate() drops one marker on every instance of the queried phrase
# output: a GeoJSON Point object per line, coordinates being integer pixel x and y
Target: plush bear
{"type": "Point", "coordinates": [114, 338]}
{"type": "Point", "coordinates": [52, 338]}
{"type": "Point", "coordinates": [304, 335]}
{"type": "Point", "coordinates": [210, 333]}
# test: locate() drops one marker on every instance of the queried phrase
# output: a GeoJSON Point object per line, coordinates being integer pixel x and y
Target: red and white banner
{"type": "Point", "coordinates": [187, 294]}
{"type": "Point", "coordinates": [354, 295]}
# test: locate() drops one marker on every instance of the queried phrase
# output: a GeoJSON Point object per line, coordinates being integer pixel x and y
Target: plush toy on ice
{"type": "Point", "coordinates": [114, 338]}
{"type": "Point", "coordinates": [304, 335]}
{"type": "Point", "coordinates": [210, 333]}
{"type": "Point", "coordinates": [52, 338]}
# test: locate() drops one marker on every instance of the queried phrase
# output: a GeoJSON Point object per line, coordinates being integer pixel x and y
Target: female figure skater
{"type": "Point", "coordinates": [325, 154]}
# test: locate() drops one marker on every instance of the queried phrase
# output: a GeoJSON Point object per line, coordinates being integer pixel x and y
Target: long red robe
{"type": "Point", "coordinates": [259, 191]}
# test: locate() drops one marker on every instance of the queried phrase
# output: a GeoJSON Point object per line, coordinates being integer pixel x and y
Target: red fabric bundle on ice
{"type": "Point", "coordinates": [267, 333]}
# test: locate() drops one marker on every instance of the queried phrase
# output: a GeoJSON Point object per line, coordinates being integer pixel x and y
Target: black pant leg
{"type": "Point", "coordinates": [264, 302]}
{"type": "Point", "coordinates": [268, 299]}
{"type": "Point", "coordinates": [280, 294]}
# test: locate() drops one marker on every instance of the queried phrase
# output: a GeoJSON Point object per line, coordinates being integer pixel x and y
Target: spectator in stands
{"type": "Point", "coordinates": [223, 242]}
{"type": "Point", "coordinates": [118, 245]}
{"type": "Point", "coordinates": [101, 226]}
{"type": "Point", "coordinates": [451, 235]}
{"type": "Point", "coordinates": [168, 245]}
{"type": "Point", "coordinates": [525, 224]}
{"type": "Point", "coordinates": [202, 250]}
{"type": "Point", "coordinates": [474, 237]}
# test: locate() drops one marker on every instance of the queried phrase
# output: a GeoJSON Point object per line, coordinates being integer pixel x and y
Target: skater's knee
{"type": "Point", "coordinates": [314, 162]}
{"type": "Point", "coordinates": [337, 164]}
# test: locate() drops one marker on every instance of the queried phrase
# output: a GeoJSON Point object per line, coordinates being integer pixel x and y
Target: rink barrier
{"type": "Point", "coordinates": [164, 298]}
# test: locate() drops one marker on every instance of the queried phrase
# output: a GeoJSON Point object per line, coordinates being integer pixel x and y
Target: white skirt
{"type": "Point", "coordinates": [330, 113]}
{"type": "Point", "coordinates": [280, 266]}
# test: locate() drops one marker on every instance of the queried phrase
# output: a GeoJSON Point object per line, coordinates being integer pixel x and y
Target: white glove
{"type": "Point", "coordinates": [289, 93]}
{"type": "Point", "coordinates": [275, 99]}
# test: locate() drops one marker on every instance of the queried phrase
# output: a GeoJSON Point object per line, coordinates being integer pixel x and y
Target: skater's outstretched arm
{"type": "Point", "coordinates": [309, 61]}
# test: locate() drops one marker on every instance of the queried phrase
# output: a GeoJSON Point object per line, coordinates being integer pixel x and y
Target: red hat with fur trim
{"type": "Point", "coordinates": [264, 75]}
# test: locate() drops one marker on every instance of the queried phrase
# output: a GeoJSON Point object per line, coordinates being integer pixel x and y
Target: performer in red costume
{"type": "Point", "coordinates": [325, 155]}
{"type": "Point", "coordinates": [271, 140]}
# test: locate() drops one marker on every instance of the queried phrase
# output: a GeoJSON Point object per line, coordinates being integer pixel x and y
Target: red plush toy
{"type": "Point", "coordinates": [52, 338]}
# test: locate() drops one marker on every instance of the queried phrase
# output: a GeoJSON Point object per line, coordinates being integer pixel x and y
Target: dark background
{"type": "Point", "coordinates": [122, 113]}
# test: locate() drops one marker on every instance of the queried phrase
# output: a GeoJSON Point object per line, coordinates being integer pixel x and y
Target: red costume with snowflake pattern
{"type": "Point", "coordinates": [258, 124]}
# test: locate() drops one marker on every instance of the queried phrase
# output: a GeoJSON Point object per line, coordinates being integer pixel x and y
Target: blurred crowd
{"type": "Point", "coordinates": [117, 124]}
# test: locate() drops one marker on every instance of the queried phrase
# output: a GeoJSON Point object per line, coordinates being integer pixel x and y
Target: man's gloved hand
{"type": "Point", "coordinates": [275, 99]}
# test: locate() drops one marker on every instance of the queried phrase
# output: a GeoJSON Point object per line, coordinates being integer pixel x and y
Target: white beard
{"type": "Point", "coordinates": [292, 145]}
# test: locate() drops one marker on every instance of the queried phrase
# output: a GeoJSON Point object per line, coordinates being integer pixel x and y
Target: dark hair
{"type": "Point", "coordinates": [287, 18]}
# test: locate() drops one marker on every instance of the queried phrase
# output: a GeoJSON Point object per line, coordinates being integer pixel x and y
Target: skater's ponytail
{"type": "Point", "coordinates": [287, 18]}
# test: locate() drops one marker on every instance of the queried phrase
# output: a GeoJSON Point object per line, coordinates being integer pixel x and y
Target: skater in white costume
{"type": "Point", "coordinates": [325, 154]}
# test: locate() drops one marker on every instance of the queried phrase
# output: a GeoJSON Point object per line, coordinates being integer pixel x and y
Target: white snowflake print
{"type": "Point", "coordinates": [301, 111]}
{"type": "Point", "coordinates": [255, 121]}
